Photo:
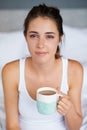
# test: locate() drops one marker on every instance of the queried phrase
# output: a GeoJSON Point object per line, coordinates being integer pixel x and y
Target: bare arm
{"type": "Point", "coordinates": [70, 105]}
{"type": "Point", "coordinates": [10, 78]}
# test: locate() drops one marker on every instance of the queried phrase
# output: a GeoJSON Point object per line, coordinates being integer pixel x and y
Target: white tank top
{"type": "Point", "coordinates": [29, 117]}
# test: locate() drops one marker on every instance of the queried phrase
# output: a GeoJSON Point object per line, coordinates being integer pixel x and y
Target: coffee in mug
{"type": "Point", "coordinates": [47, 92]}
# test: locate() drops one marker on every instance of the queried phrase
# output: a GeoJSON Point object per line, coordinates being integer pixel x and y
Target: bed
{"type": "Point", "coordinates": [74, 46]}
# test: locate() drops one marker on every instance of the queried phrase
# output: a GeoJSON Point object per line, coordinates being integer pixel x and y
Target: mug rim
{"type": "Point", "coordinates": [41, 97]}
{"type": "Point", "coordinates": [46, 88]}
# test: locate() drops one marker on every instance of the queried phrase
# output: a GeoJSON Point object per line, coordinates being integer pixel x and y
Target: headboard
{"type": "Point", "coordinates": [13, 12]}
{"type": "Point", "coordinates": [12, 20]}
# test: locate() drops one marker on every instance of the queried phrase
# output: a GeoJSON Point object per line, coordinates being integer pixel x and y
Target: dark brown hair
{"type": "Point", "coordinates": [45, 11]}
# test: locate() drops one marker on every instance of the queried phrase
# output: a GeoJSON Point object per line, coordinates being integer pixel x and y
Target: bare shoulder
{"type": "Point", "coordinates": [75, 71]}
{"type": "Point", "coordinates": [10, 67]}
{"type": "Point", "coordinates": [75, 66]}
{"type": "Point", "coordinates": [10, 71]}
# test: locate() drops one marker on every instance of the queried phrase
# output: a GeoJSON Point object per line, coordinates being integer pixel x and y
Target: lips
{"type": "Point", "coordinates": [41, 53]}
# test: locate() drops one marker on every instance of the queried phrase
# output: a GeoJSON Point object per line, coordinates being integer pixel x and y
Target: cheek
{"type": "Point", "coordinates": [53, 46]}
{"type": "Point", "coordinates": [31, 48]}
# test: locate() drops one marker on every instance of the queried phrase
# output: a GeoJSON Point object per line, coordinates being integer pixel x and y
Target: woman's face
{"type": "Point", "coordinates": [42, 38]}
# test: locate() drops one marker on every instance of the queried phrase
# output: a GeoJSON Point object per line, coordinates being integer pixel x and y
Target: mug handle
{"type": "Point", "coordinates": [59, 94]}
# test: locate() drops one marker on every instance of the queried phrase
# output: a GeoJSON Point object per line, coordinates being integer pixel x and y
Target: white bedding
{"type": "Point", "coordinates": [13, 46]}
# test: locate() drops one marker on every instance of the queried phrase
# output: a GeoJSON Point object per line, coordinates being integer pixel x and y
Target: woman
{"type": "Point", "coordinates": [43, 32]}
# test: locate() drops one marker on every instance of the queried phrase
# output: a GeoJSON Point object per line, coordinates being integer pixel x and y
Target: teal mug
{"type": "Point", "coordinates": [47, 99]}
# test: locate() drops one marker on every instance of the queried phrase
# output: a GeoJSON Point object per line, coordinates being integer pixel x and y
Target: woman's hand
{"type": "Point", "coordinates": [64, 105]}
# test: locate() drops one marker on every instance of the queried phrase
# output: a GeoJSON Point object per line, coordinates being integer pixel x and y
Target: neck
{"type": "Point", "coordinates": [44, 69]}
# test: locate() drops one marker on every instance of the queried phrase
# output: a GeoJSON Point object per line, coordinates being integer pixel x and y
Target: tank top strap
{"type": "Point", "coordinates": [64, 84]}
{"type": "Point", "coordinates": [22, 66]}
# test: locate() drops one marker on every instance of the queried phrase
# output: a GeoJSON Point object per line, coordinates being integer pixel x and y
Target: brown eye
{"type": "Point", "coordinates": [32, 35]}
{"type": "Point", "coordinates": [50, 36]}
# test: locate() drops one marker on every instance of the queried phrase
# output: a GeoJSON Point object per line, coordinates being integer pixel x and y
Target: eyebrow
{"type": "Point", "coordinates": [45, 33]}
{"type": "Point", "coordinates": [49, 33]}
{"type": "Point", "coordinates": [33, 32]}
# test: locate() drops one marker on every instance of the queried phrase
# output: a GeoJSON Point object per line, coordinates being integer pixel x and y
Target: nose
{"type": "Point", "coordinates": [41, 42]}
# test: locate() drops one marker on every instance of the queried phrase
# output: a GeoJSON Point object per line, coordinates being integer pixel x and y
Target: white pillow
{"type": "Point", "coordinates": [74, 45]}
{"type": "Point", "coordinates": [12, 46]}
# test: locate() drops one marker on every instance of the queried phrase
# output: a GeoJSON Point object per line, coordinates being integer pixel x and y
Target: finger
{"type": "Point", "coordinates": [62, 107]}
{"type": "Point", "coordinates": [61, 110]}
{"type": "Point", "coordinates": [63, 104]}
